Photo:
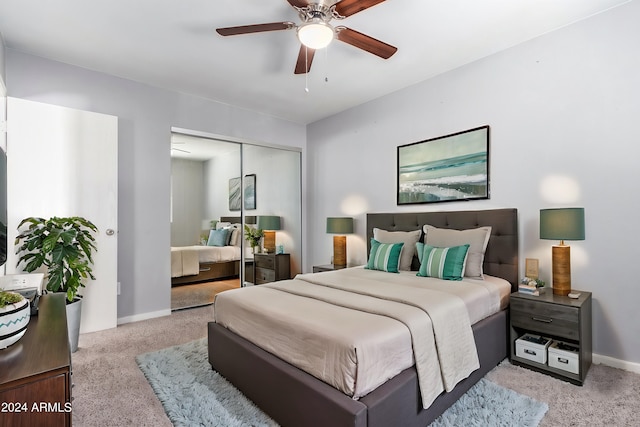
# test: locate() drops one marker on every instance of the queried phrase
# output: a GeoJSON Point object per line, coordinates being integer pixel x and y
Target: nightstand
{"type": "Point", "coordinates": [557, 317]}
{"type": "Point", "coordinates": [327, 267]}
{"type": "Point", "coordinates": [271, 267]}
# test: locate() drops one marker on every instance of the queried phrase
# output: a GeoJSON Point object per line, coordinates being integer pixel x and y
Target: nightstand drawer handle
{"type": "Point", "coordinates": [531, 352]}
{"type": "Point", "coordinates": [539, 319]}
{"type": "Point", "coordinates": [563, 360]}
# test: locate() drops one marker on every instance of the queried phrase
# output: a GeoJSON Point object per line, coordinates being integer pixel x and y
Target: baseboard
{"type": "Point", "coordinates": [616, 363]}
{"type": "Point", "coordinates": [143, 316]}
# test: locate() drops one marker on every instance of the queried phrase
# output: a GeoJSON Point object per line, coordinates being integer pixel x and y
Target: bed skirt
{"type": "Point", "coordinates": [293, 397]}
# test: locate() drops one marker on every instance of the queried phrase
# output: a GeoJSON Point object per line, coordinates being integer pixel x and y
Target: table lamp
{"type": "Point", "coordinates": [269, 223]}
{"type": "Point", "coordinates": [342, 226]}
{"type": "Point", "coordinates": [561, 224]}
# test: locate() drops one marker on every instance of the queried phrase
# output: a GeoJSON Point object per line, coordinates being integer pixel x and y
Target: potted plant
{"type": "Point", "coordinates": [14, 317]}
{"type": "Point", "coordinates": [65, 247]}
{"type": "Point", "coordinates": [254, 236]}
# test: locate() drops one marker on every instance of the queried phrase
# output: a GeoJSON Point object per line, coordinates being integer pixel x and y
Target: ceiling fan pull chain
{"type": "Point", "coordinates": [326, 64]}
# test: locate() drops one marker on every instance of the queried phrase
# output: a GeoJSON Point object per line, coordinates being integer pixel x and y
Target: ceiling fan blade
{"type": "Point", "coordinates": [256, 28]}
{"type": "Point", "coordinates": [298, 3]}
{"type": "Point", "coordinates": [365, 42]}
{"type": "Point", "coordinates": [305, 57]}
{"type": "Point", "coordinates": [350, 7]}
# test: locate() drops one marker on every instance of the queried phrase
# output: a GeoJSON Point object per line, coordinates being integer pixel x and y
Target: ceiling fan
{"type": "Point", "coordinates": [316, 32]}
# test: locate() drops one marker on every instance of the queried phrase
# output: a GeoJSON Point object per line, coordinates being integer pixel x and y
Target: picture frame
{"type": "Point", "coordinates": [248, 193]}
{"type": "Point", "coordinates": [531, 268]}
{"type": "Point", "coordinates": [235, 201]}
{"type": "Point", "coordinates": [448, 168]}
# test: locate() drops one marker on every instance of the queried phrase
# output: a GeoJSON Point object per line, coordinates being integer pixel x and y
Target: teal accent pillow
{"type": "Point", "coordinates": [384, 256]}
{"type": "Point", "coordinates": [443, 263]}
{"type": "Point", "coordinates": [218, 237]}
{"type": "Point", "coordinates": [419, 251]}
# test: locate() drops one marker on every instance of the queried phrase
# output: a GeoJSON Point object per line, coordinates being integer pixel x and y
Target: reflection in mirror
{"type": "Point", "coordinates": [216, 188]}
{"type": "Point", "coordinates": [206, 243]}
{"type": "Point", "coordinates": [277, 176]}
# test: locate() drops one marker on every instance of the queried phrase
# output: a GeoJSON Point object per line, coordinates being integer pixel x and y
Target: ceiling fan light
{"type": "Point", "coordinates": [315, 34]}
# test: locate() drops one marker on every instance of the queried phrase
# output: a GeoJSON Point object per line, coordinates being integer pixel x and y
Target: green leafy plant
{"type": "Point", "coordinates": [8, 298]}
{"type": "Point", "coordinates": [63, 245]}
{"type": "Point", "coordinates": [253, 235]}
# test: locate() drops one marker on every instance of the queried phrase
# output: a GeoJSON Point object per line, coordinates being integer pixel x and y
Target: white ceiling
{"type": "Point", "coordinates": [172, 44]}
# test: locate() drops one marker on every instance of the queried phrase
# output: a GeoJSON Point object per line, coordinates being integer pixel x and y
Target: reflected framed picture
{"type": "Point", "coordinates": [235, 194]}
{"type": "Point", "coordinates": [250, 191]}
{"type": "Point", "coordinates": [444, 169]}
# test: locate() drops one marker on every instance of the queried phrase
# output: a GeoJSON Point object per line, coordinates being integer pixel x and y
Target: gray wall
{"type": "Point", "coordinates": [187, 201]}
{"type": "Point", "coordinates": [146, 115]}
{"type": "Point", "coordinates": [563, 111]}
{"type": "Point", "coordinates": [2, 66]}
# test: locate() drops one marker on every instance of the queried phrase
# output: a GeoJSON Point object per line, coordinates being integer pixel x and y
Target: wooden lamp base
{"type": "Point", "coordinates": [269, 241]}
{"type": "Point", "coordinates": [340, 250]}
{"type": "Point", "coordinates": [561, 269]}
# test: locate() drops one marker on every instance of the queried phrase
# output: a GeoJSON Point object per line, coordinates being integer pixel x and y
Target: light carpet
{"type": "Point", "coordinates": [199, 294]}
{"type": "Point", "coordinates": [194, 394]}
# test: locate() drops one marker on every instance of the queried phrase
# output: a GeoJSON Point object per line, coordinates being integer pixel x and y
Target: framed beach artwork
{"type": "Point", "coordinates": [249, 193]}
{"type": "Point", "coordinates": [444, 169]}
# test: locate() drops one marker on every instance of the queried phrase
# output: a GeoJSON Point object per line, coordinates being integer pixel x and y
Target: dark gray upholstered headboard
{"type": "Point", "coordinates": [238, 220]}
{"type": "Point", "coordinates": [501, 257]}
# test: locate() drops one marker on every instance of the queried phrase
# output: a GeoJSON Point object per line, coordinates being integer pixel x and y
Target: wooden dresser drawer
{"type": "Point", "coordinates": [264, 275]}
{"type": "Point", "coordinates": [265, 262]}
{"type": "Point", "coordinates": [546, 318]}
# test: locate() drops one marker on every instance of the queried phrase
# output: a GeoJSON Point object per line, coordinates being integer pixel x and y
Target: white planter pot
{"type": "Point", "coordinates": [14, 319]}
{"type": "Point", "coordinates": [74, 312]}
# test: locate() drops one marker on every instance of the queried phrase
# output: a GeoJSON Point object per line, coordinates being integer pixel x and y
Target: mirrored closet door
{"type": "Point", "coordinates": [217, 188]}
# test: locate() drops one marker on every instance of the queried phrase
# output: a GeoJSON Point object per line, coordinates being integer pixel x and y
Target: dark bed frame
{"type": "Point", "coordinates": [294, 398]}
{"type": "Point", "coordinates": [210, 271]}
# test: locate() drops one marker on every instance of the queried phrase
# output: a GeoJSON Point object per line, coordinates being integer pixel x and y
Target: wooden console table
{"type": "Point", "coordinates": [35, 372]}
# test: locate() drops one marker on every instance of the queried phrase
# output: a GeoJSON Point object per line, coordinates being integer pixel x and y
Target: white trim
{"type": "Point", "coordinates": [143, 316]}
{"type": "Point", "coordinates": [223, 138]}
{"type": "Point", "coordinates": [616, 363]}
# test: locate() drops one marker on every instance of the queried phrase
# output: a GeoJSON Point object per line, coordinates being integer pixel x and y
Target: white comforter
{"type": "Point", "coordinates": [356, 328]}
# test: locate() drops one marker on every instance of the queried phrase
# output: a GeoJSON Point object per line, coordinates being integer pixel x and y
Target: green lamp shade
{"type": "Point", "coordinates": [343, 225]}
{"type": "Point", "coordinates": [269, 222]}
{"type": "Point", "coordinates": [562, 224]}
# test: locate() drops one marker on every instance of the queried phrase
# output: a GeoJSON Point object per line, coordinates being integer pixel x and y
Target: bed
{"type": "Point", "coordinates": [294, 397]}
{"type": "Point", "coordinates": [193, 264]}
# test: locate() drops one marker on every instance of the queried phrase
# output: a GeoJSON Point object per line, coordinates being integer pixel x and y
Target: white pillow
{"type": "Point", "coordinates": [476, 238]}
{"type": "Point", "coordinates": [409, 238]}
{"type": "Point", "coordinates": [221, 225]}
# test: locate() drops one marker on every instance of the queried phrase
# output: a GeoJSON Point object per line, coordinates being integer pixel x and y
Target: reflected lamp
{"type": "Point", "coordinates": [269, 224]}
{"type": "Point", "coordinates": [562, 224]}
{"type": "Point", "coordinates": [340, 226]}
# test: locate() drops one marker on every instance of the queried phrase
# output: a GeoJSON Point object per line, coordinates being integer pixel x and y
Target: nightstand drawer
{"type": "Point", "coordinates": [264, 275]}
{"type": "Point", "coordinates": [265, 262]}
{"type": "Point", "coordinates": [552, 319]}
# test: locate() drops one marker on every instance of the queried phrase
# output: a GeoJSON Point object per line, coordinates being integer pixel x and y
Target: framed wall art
{"type": "Point", "coordinates": [235, 194]}
{"type": "Point", "coordinates": [249, 193]}
{"type": "Point", "coordinates": [444, 169]}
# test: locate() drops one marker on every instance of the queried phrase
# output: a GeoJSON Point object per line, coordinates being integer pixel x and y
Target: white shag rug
{"type": "Point", "coordinates": [193, 394]}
